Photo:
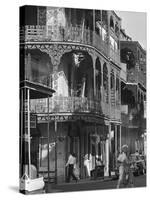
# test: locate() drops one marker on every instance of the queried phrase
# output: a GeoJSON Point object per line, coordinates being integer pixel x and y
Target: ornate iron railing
{"type": "Point", "coordinates": [70, 105]}
{"type": "Point", "coordinates": [74, 105]}
{"type": "Point", "coordinates": [76, 34]}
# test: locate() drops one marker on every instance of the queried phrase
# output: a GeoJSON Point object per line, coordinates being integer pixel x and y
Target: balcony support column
{"type": "Point", "coordinates": [28, 68]}
{"type": "Point", "coordinates": [94, 74]}
{"type": "Point", "coordinates": [107, 148]}
{"type": "Point", "coordinates": [116, 139]}
{"type": "Point", "coordinates": [120, 138]}
{"type": "Point", "coordinates": [102, 88]}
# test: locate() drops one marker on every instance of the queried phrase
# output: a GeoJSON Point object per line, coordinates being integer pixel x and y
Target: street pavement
{"type": "Point", "coordinates": [139, 181]}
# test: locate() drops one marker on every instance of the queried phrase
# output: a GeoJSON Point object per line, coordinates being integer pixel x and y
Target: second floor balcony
{"type": "Point", "coordinates": [73, 105]}
{"type": "Point", "coordinates": [69, 105]}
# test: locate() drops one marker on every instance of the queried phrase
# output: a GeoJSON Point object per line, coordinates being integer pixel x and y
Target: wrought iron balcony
{"type": "Point", "coordinates": [76, 34]}
{"type": "Point", "coordinates": [70, 105]}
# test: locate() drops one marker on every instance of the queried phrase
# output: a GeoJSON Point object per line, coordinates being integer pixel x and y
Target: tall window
{"type": "Point", "coordinates": [105, 82]}
{"type": "Point", "coordinates": [111, 22]}
{"type": "Point", "coordinates": [142, 104]}
{"type": "Point", "coordinates": [144, 97]}
{"type": "Point", "coordinates": [117, 83]}
{"type": "Point", "coordinates": [112, 79]}
{"type": "Point", "coordinates": [117, 29]}
{"type": "Point", "coordinates": [139, 97]}
{"type": "Point", "coordinates": [98, 78]}
{"type": "Point", "coordinates": [117, 90]}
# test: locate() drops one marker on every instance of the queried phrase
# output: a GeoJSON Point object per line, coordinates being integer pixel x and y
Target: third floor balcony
{"type": "Point", "coordinates": [71, 34]}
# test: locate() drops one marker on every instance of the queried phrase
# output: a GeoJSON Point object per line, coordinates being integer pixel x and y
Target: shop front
{"type": "Point", "coordinates": [70, 134]}
{"type": "Point", "coordinates": [29, 135]}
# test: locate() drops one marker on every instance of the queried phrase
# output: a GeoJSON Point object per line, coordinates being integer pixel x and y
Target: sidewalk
{"type": "Point", "coordinates": [82, 184]}
{"type": "Point", "coordinates": [83, 181]}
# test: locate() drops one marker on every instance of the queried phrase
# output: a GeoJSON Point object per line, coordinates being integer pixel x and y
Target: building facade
{"type": "Point", "coordinates": [133, 93]}
{"type": "Point", "coordinates": [77, 53]}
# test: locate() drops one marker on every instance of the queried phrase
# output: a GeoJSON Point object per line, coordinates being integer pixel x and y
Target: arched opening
{"type": "Point", "coordinates": [77, 67]}
{"type": "Point", "coordinates": [38, 67]}
{"type": "Point", "coordinates": [98, 79]}
{"type": "Point", "coordinates": [105, 82]}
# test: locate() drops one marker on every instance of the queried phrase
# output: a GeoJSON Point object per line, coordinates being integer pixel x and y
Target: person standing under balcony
{"type": "Point", "coordinates": [71, 166]}
{"type": "Point", "coordinates": [87, 166]}
{"type": "Point", "coordinates": [123, 166]}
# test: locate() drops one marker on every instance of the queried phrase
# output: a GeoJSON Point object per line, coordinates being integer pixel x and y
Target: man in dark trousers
{"type": "Point", "coordinates": [71, 164]}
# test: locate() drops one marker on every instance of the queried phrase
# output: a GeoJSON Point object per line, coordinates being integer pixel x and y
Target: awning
{"type": "Point", "coordinates": [37, 90]}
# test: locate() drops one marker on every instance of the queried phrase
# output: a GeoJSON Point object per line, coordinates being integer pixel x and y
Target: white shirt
{"type": "Point", "coordinates": [71, 160]}
{"type": "Point", "coordinates": [122, 158]}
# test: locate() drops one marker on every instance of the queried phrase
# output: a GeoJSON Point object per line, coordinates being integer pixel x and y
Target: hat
{"type": "Point", "coordinates": [125, 147]}
{"type": "Point", "coordinates": [86, 156]}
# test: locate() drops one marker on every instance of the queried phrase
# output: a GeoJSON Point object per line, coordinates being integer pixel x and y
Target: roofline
{"type": "Point", "coordinates": [135, 42]}
{"type": "Point", "coordinates": [116, 15]}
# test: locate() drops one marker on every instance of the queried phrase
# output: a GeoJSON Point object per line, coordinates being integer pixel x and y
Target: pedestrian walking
{"type": "Point", "coordinates": [87, 166]}
{"type": "Point", "coordinates": [71, 166]}
{"type": "Point", "coordinates": [123, 166]}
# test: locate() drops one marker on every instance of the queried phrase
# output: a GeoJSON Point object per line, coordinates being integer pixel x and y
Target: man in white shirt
{"type": "Point", "coordinates": [71, 164]}
{"type": "Point", "coordinates": [123, 162]}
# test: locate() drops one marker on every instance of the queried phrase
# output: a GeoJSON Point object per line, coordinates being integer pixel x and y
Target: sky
{"type": "Point", "coordinates": [134, 24]}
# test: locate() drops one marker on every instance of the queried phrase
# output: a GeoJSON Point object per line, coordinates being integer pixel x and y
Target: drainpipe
{"type": "Point", "coordinates": [120, 138]}
{"type": "Point", "coordinates": [94, 73]}
{"type": "Point", "coordinates": [106, 173]}
{"type": "Point", "coordinates": [116, 145]}
{"type": "Point", "coordinates": [48, 141]}
{"type": "Point", "coordinates": [29, 136]}
{"type": "Point", "coordinates": [55, 150]}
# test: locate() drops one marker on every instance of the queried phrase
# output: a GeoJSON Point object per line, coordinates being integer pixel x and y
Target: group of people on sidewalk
{"type": "Point", "coordinates": [124, 161]}
{"type": "Point", "coordinates": [73, 168]}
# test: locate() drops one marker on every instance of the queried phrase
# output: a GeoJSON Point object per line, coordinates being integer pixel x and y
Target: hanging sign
{"type": "Point", "coordinates": [65, 118]}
